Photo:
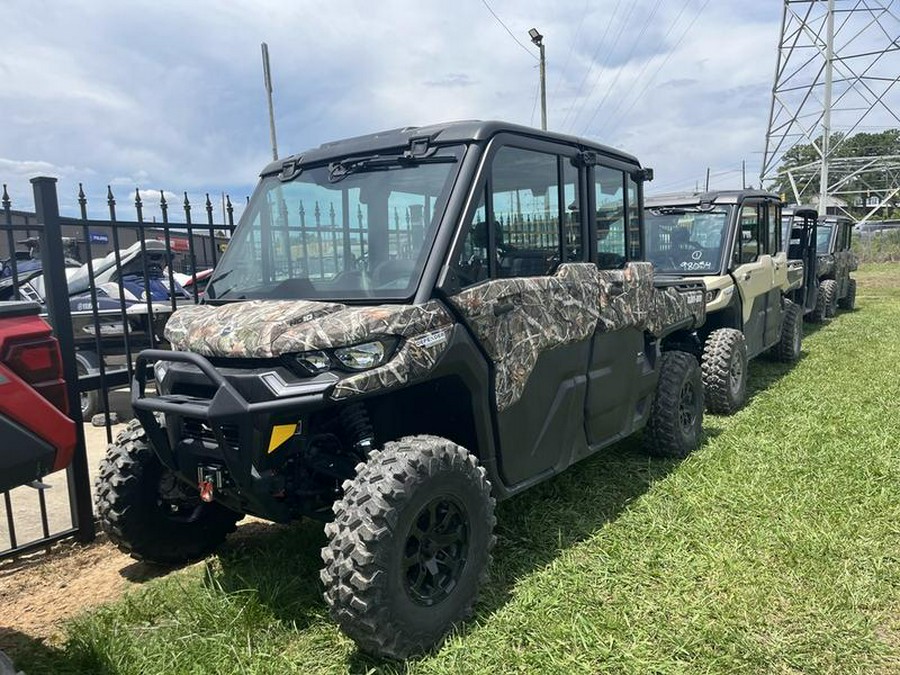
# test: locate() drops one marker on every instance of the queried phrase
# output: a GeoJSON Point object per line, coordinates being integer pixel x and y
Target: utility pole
{"type": "Point", "coordinates": [743, 174]}
{"type": "Point", "coordinates": [538, 39]}
{"type": "Point", "coordinates": [707, 179]}
{"type": "Point", "coordinates": [826, 117]}
{"type": "Point", "coordinates": [267, 79]}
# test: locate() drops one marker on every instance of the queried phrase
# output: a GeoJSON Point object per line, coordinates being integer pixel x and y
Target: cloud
{"type": "Point", "coordinates": [451, 80]}
{"type": "Point", "coordinates": [169, 94]}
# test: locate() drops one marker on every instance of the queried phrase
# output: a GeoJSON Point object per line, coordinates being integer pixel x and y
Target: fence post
{"type": "Point", "coordinates": [56, 287]}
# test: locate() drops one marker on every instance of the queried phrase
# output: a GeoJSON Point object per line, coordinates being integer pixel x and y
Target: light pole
{"type": "Point", "coordinates": [538, 39]}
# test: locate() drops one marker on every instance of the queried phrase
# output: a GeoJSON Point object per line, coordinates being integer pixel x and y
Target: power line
{"type": "Point", "coordinates": [572, 44]}
{"type": "Point", "coordinates": [591, 67]}
{"type": "Point", "coordinates": [500, 21]}
{"type": "Point", "coordinates": [607, 60]}
{"type": "Point", "coordinates": [640, 77]}
{"type": "Point", "coordinates": [665, 61]}
{"type": "Point", "coordinates": [634, 45]}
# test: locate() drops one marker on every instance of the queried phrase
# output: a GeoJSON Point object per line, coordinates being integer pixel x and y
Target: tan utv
{"type": "Point", "coordinates": [834, 261]}
{"type": "Point", "coordinates": [732, 240]}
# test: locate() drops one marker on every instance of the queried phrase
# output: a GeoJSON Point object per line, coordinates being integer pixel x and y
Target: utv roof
{"type": "Point", "coordinates": [697, 198]}
{"type": "Point", "coordinates": [443, 133]}
{"type": "Point", "coordinates": [803, 211]}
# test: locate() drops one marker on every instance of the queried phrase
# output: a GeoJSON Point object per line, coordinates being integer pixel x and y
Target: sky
{"type": "Point", "coordinates": [168, 95]}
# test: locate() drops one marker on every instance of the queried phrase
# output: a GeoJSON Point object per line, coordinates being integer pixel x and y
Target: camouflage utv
{"type": "Point", "coordinates": [732, 241]}
{"type": "Point", "coordinates": [834, 263]}
{"type": "Point", "coordinates": [406, 327]}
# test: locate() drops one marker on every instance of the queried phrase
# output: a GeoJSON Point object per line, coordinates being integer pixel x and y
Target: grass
{"type": "Point", "coordinates": [774, 548]}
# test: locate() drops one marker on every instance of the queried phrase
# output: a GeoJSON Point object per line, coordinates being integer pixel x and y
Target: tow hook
{"type": "Point", "coordinates": [209, 478]}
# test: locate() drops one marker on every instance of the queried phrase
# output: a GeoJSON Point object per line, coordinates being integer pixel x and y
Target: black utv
{"type": "Point", "coordinates": [833, 260]}
{"type": "Point", "coordinates": [406, 327]}
{"type": "Point", "coordinates": [731, 239]}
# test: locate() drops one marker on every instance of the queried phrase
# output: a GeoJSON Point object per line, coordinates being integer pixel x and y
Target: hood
{"type": "Point", "coordinates": [268, 328]}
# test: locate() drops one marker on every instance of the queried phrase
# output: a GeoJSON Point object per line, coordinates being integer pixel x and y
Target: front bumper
{"type": "Point", "coordinates": [223, 434]}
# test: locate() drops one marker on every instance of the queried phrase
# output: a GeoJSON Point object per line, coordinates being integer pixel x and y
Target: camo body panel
{"type": "Point", "coordinates": [825, 266]}
{"type": "Point", "coordinates": [269, 328]}
{"type": "Point", "coordinates": [564, 308]}
{"type": "Point", "coordinates": [547, 312]}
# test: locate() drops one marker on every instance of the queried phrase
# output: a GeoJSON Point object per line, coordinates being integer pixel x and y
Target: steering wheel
{"type": "Point", "coordinates": [359, 276]}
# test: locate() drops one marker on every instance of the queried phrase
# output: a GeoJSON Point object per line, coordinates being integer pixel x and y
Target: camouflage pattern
{"type": "Point", "coordinates": [546, 312]}
{"type": "Point", "coordinates": [514, 319]}
{"type": "Point", "coordinates": [837, 266]}
{"type": "Point", "coordinates": [568, 307]}
{"type": "Point", "coordinates": [269, 328]}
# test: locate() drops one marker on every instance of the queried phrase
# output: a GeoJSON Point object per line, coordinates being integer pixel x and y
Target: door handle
{"type": "Point", "coordinates": [747, 276]}
{"type": "Point", "coordinates": [505, 308]}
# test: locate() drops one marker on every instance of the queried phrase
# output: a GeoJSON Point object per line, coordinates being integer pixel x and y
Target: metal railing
{"type": "Point", "coordinates": [102, 314]}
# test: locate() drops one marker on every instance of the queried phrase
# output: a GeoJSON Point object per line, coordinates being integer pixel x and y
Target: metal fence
{"type": "Point", "coordinates": [103, 311]}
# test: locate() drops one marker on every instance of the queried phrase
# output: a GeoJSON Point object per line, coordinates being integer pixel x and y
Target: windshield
{"type": "Point", "coordinates": [353, 230]}
{"type": "Point", "coordinates": [686, 241]}
{"type": "Point", "coordinates": [823, 238]}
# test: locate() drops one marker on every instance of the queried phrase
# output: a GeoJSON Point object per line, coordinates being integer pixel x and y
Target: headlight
{"type": "Point", "coordinates": [711, 295]}
{"type": "Point", "coordinates": [314, 362]}
{"type": "Point", "coordinates": [355, 357]}
{"type": "Point", "coordinates": [361, 357]}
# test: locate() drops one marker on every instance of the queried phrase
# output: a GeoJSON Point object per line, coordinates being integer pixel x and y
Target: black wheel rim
{"type": "Point", "coordinates": [436, 551]}
{"type": "Point", "coordinates": [687, 407]}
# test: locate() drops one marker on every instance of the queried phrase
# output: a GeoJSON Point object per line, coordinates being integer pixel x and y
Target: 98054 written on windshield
{"type": "Point", "coordinates": [345, 231]}
{"type": "Point", "coordinates": [684, 241]}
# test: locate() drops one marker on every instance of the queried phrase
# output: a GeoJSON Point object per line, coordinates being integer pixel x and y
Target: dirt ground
{"type": "Point", "coordinates": [39, 591]}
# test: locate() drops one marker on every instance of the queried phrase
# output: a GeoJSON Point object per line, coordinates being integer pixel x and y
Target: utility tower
{"type": "Point", "coordinates": [838, 62]}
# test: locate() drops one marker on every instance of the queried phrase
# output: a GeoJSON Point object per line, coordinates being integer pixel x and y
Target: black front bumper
{"type": "Point", "coordinates": [237, 433]}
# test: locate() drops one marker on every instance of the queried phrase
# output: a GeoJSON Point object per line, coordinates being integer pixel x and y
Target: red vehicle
{"type": "Point", "coordinates": [36, 435]}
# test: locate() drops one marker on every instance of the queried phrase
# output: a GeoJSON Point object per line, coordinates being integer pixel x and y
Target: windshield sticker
{"type": "Point", "coordinates": [701, 265]}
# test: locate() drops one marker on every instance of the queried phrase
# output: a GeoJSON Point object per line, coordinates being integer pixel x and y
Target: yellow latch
{"type": "Point", "coordinates": [280, 434]}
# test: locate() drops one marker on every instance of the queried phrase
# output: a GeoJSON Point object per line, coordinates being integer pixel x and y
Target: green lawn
{"type": "Point", "coordinates": [774, 548]}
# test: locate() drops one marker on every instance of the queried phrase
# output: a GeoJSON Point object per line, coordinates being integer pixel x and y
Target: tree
{"type": "Point", "coordinates": [874, 182]}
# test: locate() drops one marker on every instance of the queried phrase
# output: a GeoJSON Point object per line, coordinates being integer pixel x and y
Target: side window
{"type": "Point", "coordinates": [521, 202]}
{"type": "Point", "coordinates": [847, 234]}
{"type": "Point", "coordinates": [634, 220]}
{"type": "Point", "coordinates": [526, 209]}
{"type": "Point", "coordinates": [574, 249]}
{"type": "Point", "coordinates": [748, 249]}
{"type": "Point", "coordinates": [774, 230]}
{"type": "Point", "coordinates": [609, 223]}
{"type": "Point", "coordinates": [472, 266]}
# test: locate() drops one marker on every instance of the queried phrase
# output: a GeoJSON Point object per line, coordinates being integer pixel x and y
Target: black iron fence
{"type": "Point", "coordinates": [104, 309]}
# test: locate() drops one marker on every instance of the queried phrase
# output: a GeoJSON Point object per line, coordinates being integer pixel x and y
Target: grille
{"type": "Point", "coordinates": [199, 430]}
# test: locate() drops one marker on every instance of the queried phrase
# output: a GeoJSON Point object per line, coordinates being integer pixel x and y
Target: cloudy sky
{"type": "Point", "coordinates": [168, 94]}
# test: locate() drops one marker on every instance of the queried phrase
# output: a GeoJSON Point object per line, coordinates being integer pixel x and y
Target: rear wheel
{"type": "Point", "coordinates": [148, 512]}
{"type": "Point", "coordinates": [409, 546]}
{"type": "Point", "coordinates": [725, 371]}
{"type": "Point", "coordinates": [676, 416]}
{"type": "Point", "coordinates": [848, 302]}
{"type": "Point", "coordinates": [788, 347]}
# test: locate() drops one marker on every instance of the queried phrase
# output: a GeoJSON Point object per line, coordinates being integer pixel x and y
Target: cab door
{"type": "Point", "coordinates": [754, 274]}
{"type": "Point", "coordinates": [529, 297]}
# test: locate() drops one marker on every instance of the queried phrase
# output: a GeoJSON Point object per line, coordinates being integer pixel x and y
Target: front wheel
{"type": "Point", "coordinates": [676, 416]}
{"type": "Point", "coordinates": [409, 546]}
{"type": "Point", "coordinates": [725, 371]}
{"type": "Point", "coordinates": [148, 512]}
